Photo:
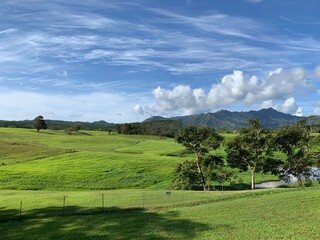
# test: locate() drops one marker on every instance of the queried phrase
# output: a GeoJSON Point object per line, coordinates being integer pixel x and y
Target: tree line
{"type": "Point", "coordinates": [165, 128]}
{"type": "Point", "coordinates": [252, 149]}
{"type": "Point", "coordinates": [59, 125]}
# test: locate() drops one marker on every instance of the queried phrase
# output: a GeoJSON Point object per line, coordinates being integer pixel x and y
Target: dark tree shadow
{"type": "Point", "coordinates": [110, 223]}
{"type": "Point", "coordinates": [234, 187]}
{"type": "Point", "coordinates": [43, 132]}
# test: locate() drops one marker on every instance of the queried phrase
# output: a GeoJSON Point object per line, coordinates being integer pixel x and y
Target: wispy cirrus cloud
{"type": "Point", "coordinates": [109, 40]}
{"type": "Point", "coordinates": [254, 1]}
{"type": "Point", "coordinates": [8, 31]}
{"type": "Point", "coordinates": [90, 45]}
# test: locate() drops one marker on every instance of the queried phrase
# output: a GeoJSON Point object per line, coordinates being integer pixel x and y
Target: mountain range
{"type": "Point", "coordinates": [223, 119]}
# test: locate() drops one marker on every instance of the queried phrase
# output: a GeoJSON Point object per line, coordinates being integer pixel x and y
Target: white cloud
{"type": "Point", "coordinates": [288, 106]}
{"type": "Point", "coordinates": [178, 98]}
{"type": "Point", "coordinates": [299, 112]}
{"type": "Point", "coordinates": [138, 110]}
{"type": "Point", "coordinates": [317, 108]}
{"type": "Point", "coordinates": [62, 74]}
{"type": "Point", "coordinates": [233, 89]}
{"type": "Point", "coordinates": [277, 71]}
{"type": "Point", "coordinates": [8, 31]}
{"type": "Point", "coordinates": [317, 72]}
{"type": "Point", "coordinates": [254, 1]}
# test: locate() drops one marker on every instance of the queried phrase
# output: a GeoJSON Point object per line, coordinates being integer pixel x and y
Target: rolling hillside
{"type": "Point", "coordinates": [53, 160]}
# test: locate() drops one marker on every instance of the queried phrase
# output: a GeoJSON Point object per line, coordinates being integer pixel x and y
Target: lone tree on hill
{"type": "Point", "coordinates": [39, 123]}
{"type": "Point", "coordinates": [199, 140]}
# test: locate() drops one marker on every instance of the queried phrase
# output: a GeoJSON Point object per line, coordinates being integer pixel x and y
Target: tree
{"type": "Point", "coordinates": [39, 123]}
{"type": "Point", "coordinates": [210, 165]}
{"type": "Point", "coordinates": [199, 140]}
{"type": "Point", "coordinates": [294, 141]}
{"type": "Point", "coordinates": [223, 174]}
{"type": "Point", "coordinates": [186, 176]}
{"type": "Point", "coordinates": [250, 150]}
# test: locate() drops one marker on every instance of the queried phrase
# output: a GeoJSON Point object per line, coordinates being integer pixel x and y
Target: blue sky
{"type": "Point", "coordinates": [124, 61]}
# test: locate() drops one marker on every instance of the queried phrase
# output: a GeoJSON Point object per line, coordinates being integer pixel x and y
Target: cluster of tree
{"type": "Point", "coordinates": [166, 128]}
{"type": "Point", "coordinates": [251, 150]}
{"type": "Point", "coordinates": [73, 130]}
{"type": "Point", "coordinates": [61, 125]}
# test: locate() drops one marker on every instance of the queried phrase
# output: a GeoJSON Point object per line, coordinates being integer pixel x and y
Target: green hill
{"type": "Point", "coordinates": [94, 160]}
{"type": "Point", "coordinates": [54, 160]}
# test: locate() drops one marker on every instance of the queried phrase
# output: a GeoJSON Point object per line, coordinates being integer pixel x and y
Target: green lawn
{"type": "Point", "coordinates": [142, 214]}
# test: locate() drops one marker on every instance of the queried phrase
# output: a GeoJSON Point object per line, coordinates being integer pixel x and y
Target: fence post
{"type": "Point", "coordinates": [102, 202]}
{"type": "Point", "coordinates": [143, 199]}
{"type": "Point", "coordinates": [64, 204]}
{"type": "Point", "coordinates": [20, 212]}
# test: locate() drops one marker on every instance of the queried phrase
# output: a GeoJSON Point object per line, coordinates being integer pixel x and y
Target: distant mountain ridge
{"type": "Point", "coordinates": [223, 119]}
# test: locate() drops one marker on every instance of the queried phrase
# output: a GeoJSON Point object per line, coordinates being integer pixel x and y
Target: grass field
{"type": "Point", "coordinates": [100, 186]}
{"type": "Point", "coordinates": [263, 214]}
{"type": "Point", "coordinates": [52, 160]}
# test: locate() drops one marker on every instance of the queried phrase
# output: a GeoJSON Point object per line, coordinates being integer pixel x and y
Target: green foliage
{"type": "Point", "coordinates": [39, 123]}
{"type": "Point", "coordinates": [200, 140]}
{"type": "Point", "coordinates": [250, 150]}
{"type": "Point", "coordinates": [210, 165]}
{"type": "Point", "coordinates": [73, 129]}
{"type": "Point", "coordinates": [293, 141]}
{"type": "Point", "coordinates": [223, 174]}
{"type": "Point", "coordinates": [186, 176]}
{"type": "Point", "coordinates": [165, 128]}
{"type": "Point", "coordinates": [60, 125]}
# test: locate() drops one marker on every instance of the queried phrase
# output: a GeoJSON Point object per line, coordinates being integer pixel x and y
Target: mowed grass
{"type": "Point", "coordinates": [52, 160]}
{"type": "Point", "coordinates": [142, 214]}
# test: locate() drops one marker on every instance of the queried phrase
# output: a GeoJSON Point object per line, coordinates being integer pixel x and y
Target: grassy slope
{"type": "Point", "coordinates": [93, 160]}
{"type": "Point", "coordinates": [263, 214]}
{"type": "Point", "coordinates": [96, 160]}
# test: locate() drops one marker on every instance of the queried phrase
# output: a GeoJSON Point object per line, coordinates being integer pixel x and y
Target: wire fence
{"type": "Point", "coordinates": [15, 205]}
{"type": "Point", "coordinates": [42, 204]}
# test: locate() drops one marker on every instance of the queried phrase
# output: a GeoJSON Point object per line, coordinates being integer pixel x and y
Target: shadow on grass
{"type": "Point", "coordinates": [233, 187]}
{"type": "Point", "coordinates": [42, 132]}
{"type": "Point", "coordinates": [110, 223]}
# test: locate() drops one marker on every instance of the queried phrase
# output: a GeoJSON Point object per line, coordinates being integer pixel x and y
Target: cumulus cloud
{"type": "Point", "coordinates": [317, 109]}
{"type": "Point", "coordinates": [232, 88]}
{"type": "Point", "coordinates": [288, 106]}
{"type": "Point", "coordinates": [138, 110]}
